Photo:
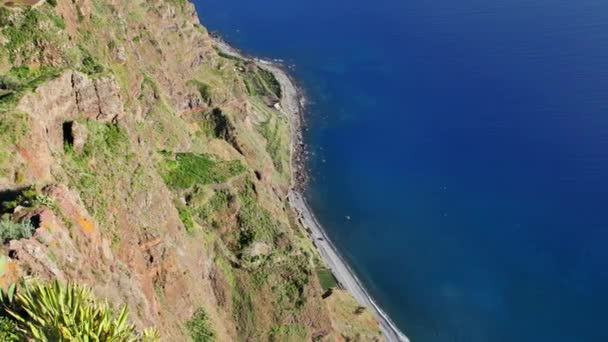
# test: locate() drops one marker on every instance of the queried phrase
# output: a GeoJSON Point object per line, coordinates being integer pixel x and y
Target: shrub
{"type": "Point", "coordinates": [27, 198]}
{"type": "Point", "coordinates": [56, 312]}
{"type": "Point", "coordinates": [90, 65]}
{"type": "Point", "coordinates": [10, 230]}
{"type": "Point", "coordinates": [199, 328]}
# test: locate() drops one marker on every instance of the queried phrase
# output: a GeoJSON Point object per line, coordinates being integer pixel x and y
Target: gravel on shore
{"type": "Point", "coordinates": [341, 270]}
{"type": "Point", "coordinates": [292, 106]}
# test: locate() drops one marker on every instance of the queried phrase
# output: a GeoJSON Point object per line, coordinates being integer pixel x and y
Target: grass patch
{"type": "Point", "coordinates": [224, 266]}
{"type": "Point", "coordinates": [290, 282]}
{"type": "Point", "coordinates": [148, 84]}
{"type": "Point", "coordinates": [184, 170]}
{"type": "Point", "coordinates": [104, 140]}
{"type": "Point", "coordinates": [227, 56]}
{"type": "Point", "coordinates": [217, 203]}
{"type": "Point", "coordinates": [58, 21]}
{"type": "Point", "coordinates": [203, 207]}
{"type": "Point", "coordinates": [13, 128]}
{"type": "Point", "coordinates": [204, 90]}
{"type": "Point", "coordinates": [288, 333]}
{"type": "Point", "coordinates": [20, 80]}
{"type": "Point", "coordinates": [274, 145]}
{"type": "Point", "coordinates": [244, 313]}
{"type": "Point", "coordinates": [270, 82]}
{"type": "Point", "coordinates": [256, 223]}
{"type": "Point", "coordinates": [207, 125]}
{"type": "Point", "coordinates": [258, 81]}
{"type": "Point", "coordinates": [161, 125]}
{"type": "Point", "coordinates": [102, 170]}
{"type": "Point", "coordinates": [185, 214]}
{"type": "Point", "coordinates": [327, 279]}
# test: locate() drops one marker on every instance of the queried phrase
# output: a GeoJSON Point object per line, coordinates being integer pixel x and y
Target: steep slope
{"type": "Point", "coordinates": [154, 169]}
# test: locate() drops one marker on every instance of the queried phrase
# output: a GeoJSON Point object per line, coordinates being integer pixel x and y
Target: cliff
{"type": "Point", "coordinates": [139, 160]}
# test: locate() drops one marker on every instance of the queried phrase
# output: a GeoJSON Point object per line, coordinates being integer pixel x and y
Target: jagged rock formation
{"type": "Point", "coordinates": [157, 174]}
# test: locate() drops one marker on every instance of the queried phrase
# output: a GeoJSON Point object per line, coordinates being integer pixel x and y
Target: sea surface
{"type": "Point", "coordinates": [468, 143]}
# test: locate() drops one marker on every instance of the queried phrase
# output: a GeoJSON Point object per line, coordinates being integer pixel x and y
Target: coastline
{"type": "Point", "coordinates": [292, 104]}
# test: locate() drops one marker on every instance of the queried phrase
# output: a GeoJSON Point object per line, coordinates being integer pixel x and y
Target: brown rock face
{"type": "Point", "coordinates": [97, 99]}
{"type": "Point", "coordinates": [69, 97]}
{"type": "Point", "coordinates": [85, 94]}
{"type": "Point", "coordinates": [72, 247]}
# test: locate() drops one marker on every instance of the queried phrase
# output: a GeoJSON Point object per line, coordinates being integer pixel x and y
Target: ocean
{"type": "Point", "coordinates": [459, 154]}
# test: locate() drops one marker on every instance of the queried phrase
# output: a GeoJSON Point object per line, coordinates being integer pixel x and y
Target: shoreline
{"type": "Point", "coordinates": [292, 106]}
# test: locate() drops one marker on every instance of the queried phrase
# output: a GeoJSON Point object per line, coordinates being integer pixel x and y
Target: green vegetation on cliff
{"type": "Point", "coordinates": [184, 170]}
{"type": "Point", "coordinates": [259, 81]}
{"type": "Point", "coordinates": [198, 327]}
{"type": "Point", "coordinates": [104, 162]}
{"type": "Point", "coordinates": [19, 80]}
{"type": "Point", "coordinates": [327, 279]}
{"type": "Point", "coordinates": [13, 128]}
{"type": "Point", "coordinates": [10, 230]}
{"type": "Point", "coordinates": [154, 168]}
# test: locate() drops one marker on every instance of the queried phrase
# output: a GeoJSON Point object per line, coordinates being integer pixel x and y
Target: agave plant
{"type": "Point", "coordinates": [56, 312]}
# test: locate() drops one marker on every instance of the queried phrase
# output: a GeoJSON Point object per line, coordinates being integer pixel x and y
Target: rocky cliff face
{"type": "Point", "coordinates": [153, 169]}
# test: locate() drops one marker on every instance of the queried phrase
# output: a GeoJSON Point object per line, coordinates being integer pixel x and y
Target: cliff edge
{"type": "Point", "coordinates": [140, 160]}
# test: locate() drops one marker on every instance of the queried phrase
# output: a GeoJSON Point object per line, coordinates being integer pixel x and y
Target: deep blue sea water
{"type": "Point", "coordinates": [468, 142]}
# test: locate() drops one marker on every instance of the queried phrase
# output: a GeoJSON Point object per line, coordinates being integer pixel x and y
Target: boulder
{"type": "Point", "coordinates": [256, 249]}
